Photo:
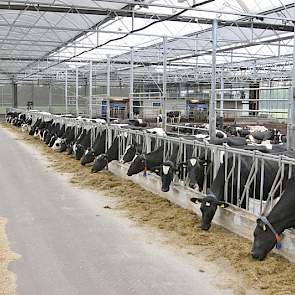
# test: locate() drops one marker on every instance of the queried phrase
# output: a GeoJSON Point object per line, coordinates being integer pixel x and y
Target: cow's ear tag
{"type": "Point", "coordinates": [264, 227]}
{"type": "Point", "coordinates": [207, 204]}
{"type": "Point", "coordinates": [157, 170]}
{"type": "Point", "coordinates": [222, 206]}
{"type": "Point", "coordinates": [205, 164]}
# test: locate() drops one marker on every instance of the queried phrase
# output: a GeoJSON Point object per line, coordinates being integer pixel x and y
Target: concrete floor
{"type": "Point", "coordinates": [70, 245]}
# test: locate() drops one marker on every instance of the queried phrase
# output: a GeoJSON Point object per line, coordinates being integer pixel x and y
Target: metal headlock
{"type": "Point", "coordinates": [232, 174]}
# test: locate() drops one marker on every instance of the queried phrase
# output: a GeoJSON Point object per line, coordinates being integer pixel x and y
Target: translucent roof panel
{"type": "Point", "coordinates": [36, 41]}
{"type": "Point", "coordinates": [30, 35]}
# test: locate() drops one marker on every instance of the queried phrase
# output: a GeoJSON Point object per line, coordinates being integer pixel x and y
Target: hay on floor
{"type": "Point", "coordinates": [274, 276]}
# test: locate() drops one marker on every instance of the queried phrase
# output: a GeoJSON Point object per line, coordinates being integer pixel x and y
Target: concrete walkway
{"type": "Point", "coordinates": [70, 245]}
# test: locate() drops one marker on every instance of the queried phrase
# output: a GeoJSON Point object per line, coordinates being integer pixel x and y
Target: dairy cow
{"type": "Point", "coordinates": [82, 144]}
{"type": "Point", "coordinates": [97, 148]}
{"type": "Point", "coordinates": [112, 154]}
{"type": "Point", "coordinates": [215, 196]}
{"type": "Point", "coordinates": [144, 162]}
{"type": "Point", "coordinates": [169, 169]}
{"type": "Point", "coordinates": [269, 229]}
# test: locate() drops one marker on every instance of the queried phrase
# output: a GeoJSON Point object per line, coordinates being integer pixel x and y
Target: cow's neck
{"type": "Point", "coordinates": [282, 215]}
{"type": "Point", "coordinates": [217, 187]}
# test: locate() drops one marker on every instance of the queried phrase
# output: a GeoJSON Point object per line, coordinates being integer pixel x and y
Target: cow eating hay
{"type": "Point", "coordinates": [180, 227]}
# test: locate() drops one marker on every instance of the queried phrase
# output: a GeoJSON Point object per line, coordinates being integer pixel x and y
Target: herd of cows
{"type": "Point", "coordinates": [197, 169]}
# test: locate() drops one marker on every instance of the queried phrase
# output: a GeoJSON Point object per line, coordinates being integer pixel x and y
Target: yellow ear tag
{"type": "Point", "coordinates": [264, 227]}
{"type": "Point", "coordinates": [205, 164]}
{"type": "Point", "coordinates": [222, 206]}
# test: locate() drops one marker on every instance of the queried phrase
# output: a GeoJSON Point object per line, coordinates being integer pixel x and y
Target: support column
{"type": "Point", "coordinates": [164, 90]}
{"type": "Point", "coordinates": [14, 92]}
{"type": "Point", "coordinates": [77, 91]}
{"type": "Point", "coordinates": [221, 101]}
{"type": "Point", "coordinates": [212, 104]}
{"type": "Point", "coordinates": [50, 98]}
{"type": "Point", "coordinates": [90, 90]}
{"type": "Point", "coordinates": [66, 91]}
{"type": "Point", "coordinates": [108, 89]}
{"type": "Point", "coordinates": [291, 113]}
{"type": "Point", "coordinates": [131, 114]}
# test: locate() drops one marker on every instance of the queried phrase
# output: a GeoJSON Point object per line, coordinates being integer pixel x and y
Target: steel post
{"type": "Point", "coordinates": [108, 88]}
{"type": "Point", "coordinates": [212, 104]}
{"type": "Point", "coordinates": [50, 98]}
{"type": "Point", "coordinates": [164, 90]}
{"type": "Point", "coordinates": [77, 91]}
{"type": "Point", "coordinates": [66, 91]}
{"type": "Point", "coordinates": [131, 114]}
{"type": "Point", "coordinates": [90, 90]}
{"type": "Point", "coordinates": [291, 111]}
{"type": "Point", "coordinates": [221, 101]}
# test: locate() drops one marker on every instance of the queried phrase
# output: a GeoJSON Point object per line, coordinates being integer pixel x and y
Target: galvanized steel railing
{"type": "Point", "coordinates": [234, 192]}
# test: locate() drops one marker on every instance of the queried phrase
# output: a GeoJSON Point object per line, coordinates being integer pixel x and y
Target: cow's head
{"type": "Point", "coordinates": [45, 136]}
{"type": "Point", "coordinates": [196, 172]}
{"type": "Point", "coordinates": [57, 144]}
{"type": "Point", "coordinates": [137, 165]}
{"type": "Point", "coordinates": [100, 163]}
{"type": "Point", "coordinates": [52, 140]}
{"type": "Point", "coordinates": [88, 156]}
{"type": "Point", "coordinates": [63, 145]}
{"type": "Point", "coordinates": [167, 174]}
{"type": "Point", "coordinates": [264, 240]}
{"type": "Point", "coordinates": [129, 154]}
{"type": "Point", "coordinates": [79, 151]}
{"type": "Point", "coordinates": [208, 208]}
{"type": "Point", "coordinates": [70, 148]}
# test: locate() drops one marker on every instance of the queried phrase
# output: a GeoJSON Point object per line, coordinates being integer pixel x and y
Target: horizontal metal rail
{"type": "Point", "coordinates": [248, 195]}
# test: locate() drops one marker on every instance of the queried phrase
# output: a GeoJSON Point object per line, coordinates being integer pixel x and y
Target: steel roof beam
{"type": "Point", "coordinates": [112, 13]}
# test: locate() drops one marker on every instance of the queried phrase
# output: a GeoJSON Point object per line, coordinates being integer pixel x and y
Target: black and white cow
{"type": "Point", "coordinates": [82, 144]}
{"type": "Point", "coordinates": [60, 143]}
{"type": "Point", "coordinates": [59, 132]}
{"type": "Point", "coordinates": [144, 162]}
{"type": "Point", "coordinates": [131, 152]}
{"type": "Point", "coordinates": [112, 154]}
{"type": "Point", "coordinates": [35, 126]}
{"type": "Point", "coordinates": [169, 169]}
{"type": "Point", "coordinates": [269, 229]}
{"type": "Point", "coordinates": [97, 148]}
{"type": "Point", "coordinates": [215, 196]}
{"type": "Point", "coordinates": [77, 138]}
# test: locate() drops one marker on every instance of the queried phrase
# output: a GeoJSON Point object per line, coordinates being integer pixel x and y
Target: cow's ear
{"type": "Point", "coordinates": [205, 163]}
{"type": "Point", "coordinates": [259, 221]}
{"type": "Point", "coordinates": [261, 224]}
{"type": "Point", "coordinates": [223, 205]}
{"type": "Point", "coordinates": [182, 164]}
{"type": "Point", "coordinates": [157, 169]}
{"type": "Point", "coordinates": [195, 200]}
